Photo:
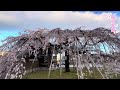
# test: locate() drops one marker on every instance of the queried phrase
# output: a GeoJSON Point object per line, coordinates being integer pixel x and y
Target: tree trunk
{"type": "Point", "coordinates": [49, 60]}
{"type": "Point", "coordinates": [67, 69]}
{"type": "Point", "coordinates": [49, 56]}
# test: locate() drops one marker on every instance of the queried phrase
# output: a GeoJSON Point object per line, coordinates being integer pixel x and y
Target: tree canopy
{"type": "Point", "coordinates": [99, 41]}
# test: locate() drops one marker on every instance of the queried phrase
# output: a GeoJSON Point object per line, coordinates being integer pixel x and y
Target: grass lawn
{"type": "Point", "coordinates": [55, 74]}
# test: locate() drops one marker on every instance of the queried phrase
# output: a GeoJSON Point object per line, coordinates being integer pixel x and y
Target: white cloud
{"type": "Point", "coordinates": [63, 19]}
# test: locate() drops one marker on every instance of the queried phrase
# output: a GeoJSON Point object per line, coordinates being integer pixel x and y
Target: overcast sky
{"type": "Point", "coordinates": [12, 22]}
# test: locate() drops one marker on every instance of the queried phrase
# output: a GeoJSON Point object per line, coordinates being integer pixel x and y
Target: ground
{"type": "Point", "coordinates": [55, 74]}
